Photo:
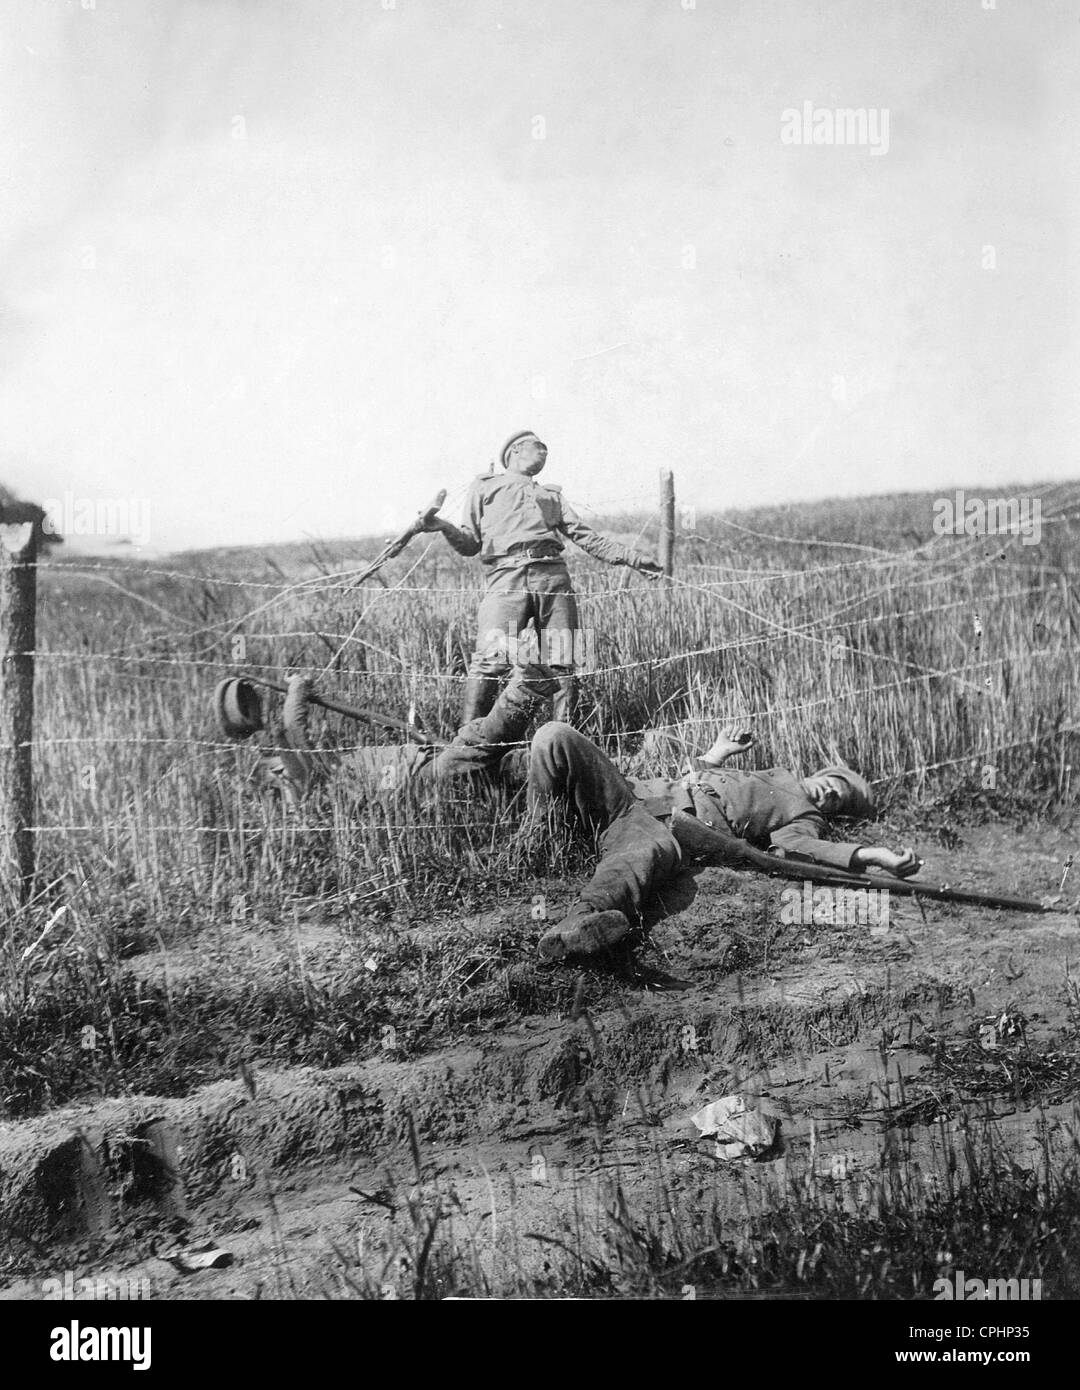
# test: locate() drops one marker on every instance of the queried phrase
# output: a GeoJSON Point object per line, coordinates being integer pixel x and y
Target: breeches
{"type": "Point", "coordinates": [637, 851]}
{"type": "Point", "coordinates": [529, 616]}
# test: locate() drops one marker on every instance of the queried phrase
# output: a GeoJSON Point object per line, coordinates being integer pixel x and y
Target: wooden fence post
{"type": "Point", "coordinates": [667, 521]}
{"type": "Point", "coordinates": [18, 622]}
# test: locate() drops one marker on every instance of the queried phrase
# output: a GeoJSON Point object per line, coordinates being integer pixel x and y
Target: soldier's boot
{"type": "Point", "coordinates": [304, 764]}
{"type": "Point", "coordinates": [282, 769]}
{"type": "Point", "coordinates": [521, 700]}
{"type": "Point", "coordinates": [296, 715]}
{"type": "Point", "coordinates": [583, 932]}
{"type": "Point", "coordinates": [562, 704]}
{"type": "Point", "coordinates": [499, 734]}
{"type": "Point", "coordinates": [481, 692]}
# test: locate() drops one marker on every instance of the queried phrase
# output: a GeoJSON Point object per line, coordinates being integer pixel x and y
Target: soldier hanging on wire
{"type": "Point", "coordinates": [518, 527]}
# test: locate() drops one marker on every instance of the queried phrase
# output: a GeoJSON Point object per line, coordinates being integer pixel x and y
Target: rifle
{"type": "Point", "coordinates": [239, 715]}
{"type": "Point", "coordinates": [703, 842]}
{"type": "Point", "coordinates": [395, 547]}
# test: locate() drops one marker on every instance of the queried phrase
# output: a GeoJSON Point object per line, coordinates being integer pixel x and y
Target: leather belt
{"type": "Point", "coordinates": [542, 550]}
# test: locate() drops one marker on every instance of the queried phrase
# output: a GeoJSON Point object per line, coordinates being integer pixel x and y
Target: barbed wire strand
{"type": "Point", "coordinates": [827, 623]}
{"type": "Point", "coordinates": [768, 712]}
{"type": "Point", "coordinates": [407, 828]}
{"type": "Point", "coordinates": [344, 580]}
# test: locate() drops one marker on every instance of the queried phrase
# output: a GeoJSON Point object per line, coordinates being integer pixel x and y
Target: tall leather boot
{"type": "Point", "coordinates": [481, 692]}
{"type": "Point", "coordinates": [482, 744]}
{"type": "Point", "coordinates": [307, 761]}
{"type": "Point", "coordinates": [562, 704]}
{"type": "Point", "coordinates": [522, 698]}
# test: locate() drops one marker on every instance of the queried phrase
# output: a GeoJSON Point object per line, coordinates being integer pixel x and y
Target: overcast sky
{"type": "Point", "coordinates": [276, 268]}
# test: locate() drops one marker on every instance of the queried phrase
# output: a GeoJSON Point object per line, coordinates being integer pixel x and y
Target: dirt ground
{"type": "Point", "coordinates": [528, 1139]}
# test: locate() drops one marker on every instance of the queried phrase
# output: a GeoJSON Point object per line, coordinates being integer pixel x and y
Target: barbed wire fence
{"type": "Point", "coordinates": [219, 645]}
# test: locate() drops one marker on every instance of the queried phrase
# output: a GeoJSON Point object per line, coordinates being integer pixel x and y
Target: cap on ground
{"type": "Point", "coordinates": [238, 708]}
{"type": "Point", "coordinates": [860, 797]}
{"type": "Point", "coordinates": [504, 452]}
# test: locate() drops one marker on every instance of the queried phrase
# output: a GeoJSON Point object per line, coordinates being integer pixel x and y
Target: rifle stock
{"type": "Point", "coordinates": [395, 547]}
{"type": "Point", "coordinates": [367, 716]}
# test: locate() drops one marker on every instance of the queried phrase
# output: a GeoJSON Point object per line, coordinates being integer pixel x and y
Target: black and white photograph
{"type": "Point", "coordinates": [540, 658]}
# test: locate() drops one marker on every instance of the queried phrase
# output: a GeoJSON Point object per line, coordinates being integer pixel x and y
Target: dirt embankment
{"type": "Point", "coordinates": [866, 1047]}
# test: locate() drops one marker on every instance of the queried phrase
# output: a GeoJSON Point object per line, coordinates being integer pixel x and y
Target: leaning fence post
{"type": "Point", "coordinates": [667, 521]}
{"type": "Point", "coordinates": [18, 620]}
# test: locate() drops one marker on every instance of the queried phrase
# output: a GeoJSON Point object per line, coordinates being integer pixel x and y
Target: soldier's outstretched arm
{"type": "Point", "coordinates": [804, 839]}
{"type": "Point", "coordinates": [602, 547]}
{"type": "Point", "coordinates": [464, 539]}
{"type": "Point", "coordinates": [456, 538]}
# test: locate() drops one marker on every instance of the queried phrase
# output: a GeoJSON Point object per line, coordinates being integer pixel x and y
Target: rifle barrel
{"type": "Point", "coordinates": [902, 887]}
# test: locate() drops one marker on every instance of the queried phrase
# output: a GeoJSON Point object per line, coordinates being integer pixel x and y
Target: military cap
{"type": "Point", "coordinates": [859, 798]}
{"type": "Point", "coordinates": [504, 452]}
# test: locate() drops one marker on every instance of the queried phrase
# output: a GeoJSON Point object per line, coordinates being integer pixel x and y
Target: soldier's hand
{"type": "Point", "coordinates": [907, 863]}
{"type": "Point", "coordinates": [900, 865]}
{"type": "Point", "coordinates": [649, 568]}
{"type": "Point", "coordinates": [729, 742]}
{"type": "Point", "coordinates": [431, 523]}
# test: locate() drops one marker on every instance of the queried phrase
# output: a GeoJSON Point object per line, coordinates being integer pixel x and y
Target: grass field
{"type": "Point", "coordinates": [920, 659]}
{"type": "Point", "coordinates": [944, 667]}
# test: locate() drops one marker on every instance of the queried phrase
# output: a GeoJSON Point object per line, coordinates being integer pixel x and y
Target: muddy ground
{"type": "Point", "coordinates": [873, 1051]}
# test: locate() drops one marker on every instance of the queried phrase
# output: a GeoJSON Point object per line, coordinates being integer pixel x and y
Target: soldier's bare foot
{"type": "Point", "coordinates": [583, 934]}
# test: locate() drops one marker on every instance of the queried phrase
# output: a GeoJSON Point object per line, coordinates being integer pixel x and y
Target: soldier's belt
{"type": "Point", "coordinates": [541, 550]}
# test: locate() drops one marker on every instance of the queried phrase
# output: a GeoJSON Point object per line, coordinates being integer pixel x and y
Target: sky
{"type": "Point", "coordinates": [275, 269]}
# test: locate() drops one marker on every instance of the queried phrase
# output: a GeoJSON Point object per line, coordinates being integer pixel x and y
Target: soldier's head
{"type": "Point", "coordinates": [837, 791]}
{"type": "Point", "coordinates": [524, 453]}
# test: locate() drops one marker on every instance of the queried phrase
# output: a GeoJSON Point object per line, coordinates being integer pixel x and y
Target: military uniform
{"type": "Point", "coordinates": [518, 527]}
{"type": "Point", "coordinates": [769, 810]}
{"type": "Point", "coordinates": [639, 833]}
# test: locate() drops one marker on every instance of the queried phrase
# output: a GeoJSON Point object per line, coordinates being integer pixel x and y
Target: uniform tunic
{"type": "Point", "coordinates": [768, 809]}
{"type": "Point", "coordinates": [519, 527]}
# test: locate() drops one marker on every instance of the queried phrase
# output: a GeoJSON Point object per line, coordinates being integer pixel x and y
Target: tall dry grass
{"type": "Point", "coordinates": [845, 629]}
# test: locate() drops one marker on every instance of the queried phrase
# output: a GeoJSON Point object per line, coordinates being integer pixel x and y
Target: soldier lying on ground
{"type": "Point", "coordinates": [646, 826]}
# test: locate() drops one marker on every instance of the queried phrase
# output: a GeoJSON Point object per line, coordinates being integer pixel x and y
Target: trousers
{"type": "Point", "coordinates": [637, 851]}
{"type": "Point", "coordinates": [536, 596]}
